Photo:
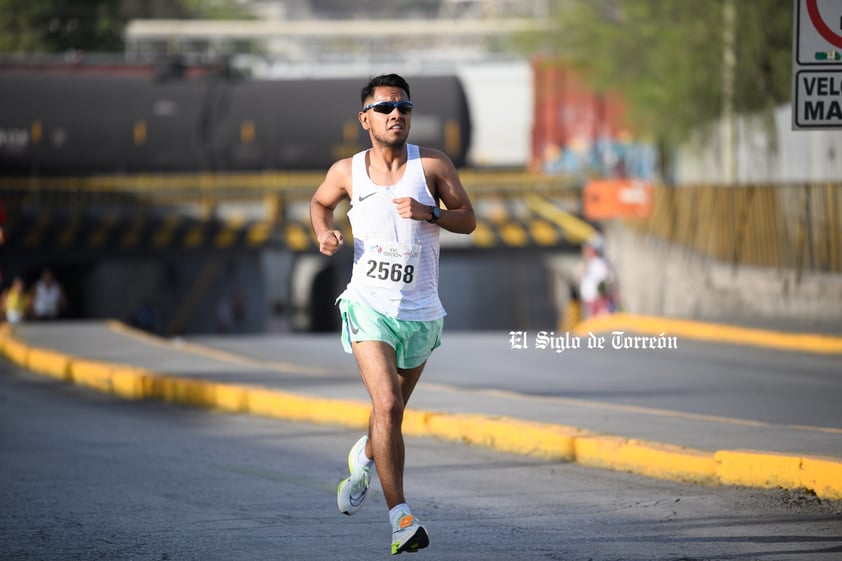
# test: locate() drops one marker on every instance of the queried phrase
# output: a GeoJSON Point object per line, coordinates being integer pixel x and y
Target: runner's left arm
{"type": "Point", "coordinates": [458, 214]}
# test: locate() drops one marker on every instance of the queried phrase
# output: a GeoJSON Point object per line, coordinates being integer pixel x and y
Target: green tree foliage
{"type": "Point", "coordinates": [666, 56]}
{"type": "Point", "coordinates": [54, 26]}
{"type": "Point", "coordinates": [39, 26]}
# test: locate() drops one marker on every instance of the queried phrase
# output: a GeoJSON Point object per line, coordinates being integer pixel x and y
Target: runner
{"type": "Point", "coordinates": [392, 317]}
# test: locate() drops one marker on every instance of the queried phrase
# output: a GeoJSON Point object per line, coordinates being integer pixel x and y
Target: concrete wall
{"type": "Point", "coordinates": [661, 279]}
{"type": "Point", "coordinates": [501, 290]}
{"type": "Point", "coordinates": [197, 293]}
{"type": "Point", "coordinates": [767, 150]}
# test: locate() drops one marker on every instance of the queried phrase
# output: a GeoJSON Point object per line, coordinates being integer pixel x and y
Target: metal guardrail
{"type": "Point", "coordinates": [795, 226]}
{"type": "Point", "coordinates": [276, 182]}
{"type": "Point", "coordinates": [204, 191]}
{"type": "Point", "coordinates": [515, 209]}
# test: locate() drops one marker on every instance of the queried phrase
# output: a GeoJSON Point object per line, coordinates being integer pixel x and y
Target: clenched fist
{"type": "Point", "coordinates": [330, 242]}
{"type": "Point", "coordinates": [408, 207]}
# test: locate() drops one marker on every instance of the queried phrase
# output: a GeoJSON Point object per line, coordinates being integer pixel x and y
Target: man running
{"type": "Point", "coordinates": [392, 317]}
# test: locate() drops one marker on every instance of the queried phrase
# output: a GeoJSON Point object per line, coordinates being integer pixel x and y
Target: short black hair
{"type": "Point", "coordinates": [391, 80]}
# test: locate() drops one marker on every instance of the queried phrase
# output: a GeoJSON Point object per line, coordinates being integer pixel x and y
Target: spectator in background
{"type": "Point", "coordinates": [596, 281]}
{"type": "Point", "coordinates": [15, 301]}
{"type": "Point", "coordinates": [48, 299]}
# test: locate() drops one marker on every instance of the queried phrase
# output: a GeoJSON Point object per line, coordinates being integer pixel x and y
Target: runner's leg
{"type": "Point", "coordinates": [389, 389]}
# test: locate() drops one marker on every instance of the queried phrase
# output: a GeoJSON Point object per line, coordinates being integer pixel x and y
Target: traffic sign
{"type": "Point", "coordinates": [817, 65]}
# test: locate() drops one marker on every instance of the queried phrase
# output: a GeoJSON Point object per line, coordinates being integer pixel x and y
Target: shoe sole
{"type": "Point", "coordinates": [351, 456]}
{"type": "Point", "coordinates": [354, 509]}
{"type": "Point", "coordinates": [419, 540]}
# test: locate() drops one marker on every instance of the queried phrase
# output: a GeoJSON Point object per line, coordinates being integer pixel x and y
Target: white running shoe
{"type": "Point", "coordinates": [408, 534]}
{"type": "Point", "coordinates": [353, 491]}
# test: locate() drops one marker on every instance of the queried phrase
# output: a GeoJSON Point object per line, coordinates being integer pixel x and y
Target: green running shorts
{"type": "Point", "coordinates": [413, 341]}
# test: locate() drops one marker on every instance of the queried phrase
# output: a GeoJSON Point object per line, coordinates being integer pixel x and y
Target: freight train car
{"type": "Point", "coordinates": [54, 123]}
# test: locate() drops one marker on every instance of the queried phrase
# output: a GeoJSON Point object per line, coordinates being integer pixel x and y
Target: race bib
{"type": "Point", "coordinates": [390, 264]}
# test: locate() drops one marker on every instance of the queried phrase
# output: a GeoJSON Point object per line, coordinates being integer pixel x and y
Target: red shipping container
{"type": "Point", "coordinates": [569, 116]}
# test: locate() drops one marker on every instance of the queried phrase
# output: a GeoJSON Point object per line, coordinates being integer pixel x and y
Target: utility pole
{"type": "Point", "coordinates": [729, 64]}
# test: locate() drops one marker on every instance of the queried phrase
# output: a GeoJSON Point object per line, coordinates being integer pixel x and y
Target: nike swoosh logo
{"type": "Point", "coordinates": [361, 198]}
{"type": "Point", "coordinates": [354, 330]}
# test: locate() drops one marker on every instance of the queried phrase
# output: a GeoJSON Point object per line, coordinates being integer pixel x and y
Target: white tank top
{"type": "Point", "coordinates": [396, 260]}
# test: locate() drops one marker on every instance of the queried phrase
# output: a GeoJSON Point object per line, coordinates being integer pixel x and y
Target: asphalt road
{"type": "Point", "coordinates": [704, 396]}
{"type": "Point", "coordinates": [86, 477]}
{"type": "Point", "coordinates": [751, 383]}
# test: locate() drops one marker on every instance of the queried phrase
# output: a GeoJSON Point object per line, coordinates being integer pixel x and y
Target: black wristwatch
{"type": "Point", "coordinates": [436, 212]}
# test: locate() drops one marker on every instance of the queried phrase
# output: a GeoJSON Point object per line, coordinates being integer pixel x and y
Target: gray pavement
{"type": "Point", "coordinates": [702, 396]}
{"type": "Point", "coordinates": [89, 477]}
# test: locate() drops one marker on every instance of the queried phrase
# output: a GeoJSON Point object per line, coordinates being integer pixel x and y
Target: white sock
{"type": "Point", "coordinates": [362, 459]}
{"type": "Point", "coordinates": [395, 512]}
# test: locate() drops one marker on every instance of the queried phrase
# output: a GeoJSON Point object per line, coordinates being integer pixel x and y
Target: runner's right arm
{"type": "Point", "coordinates": [334, 188]}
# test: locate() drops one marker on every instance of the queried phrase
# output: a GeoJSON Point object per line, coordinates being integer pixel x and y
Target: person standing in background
{"type": "Point", "coordinates": [48, 299]}
{"type": "Point", "coordinates": [596, 281]}
{"type": "Point", "coordinates": [15, 302]}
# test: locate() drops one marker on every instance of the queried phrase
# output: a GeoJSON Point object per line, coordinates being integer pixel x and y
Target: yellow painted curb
{"type": "Point", "coordinates": [128, 383]}
{"type": "Point", "coordinates": [50, 363]}
{"type": "Point", "coordinates": [92, 374]}
{"type": "Point", "coordinates": [505, 434]}
{"type": "Point", "coordinates": [271, 403]}
{"type": "Point", "coordinates": [762, 469]}
{"type": "Point", "coordinates": [758, 469]}
{"type": "Point", "coordinates": [661, 461]}
{"type": "Point", "coordinates": [713, 332]}
{"type": "Point", "coordinates": [232, 398]}
{"type": "Point", "coordinates": [13, 349]}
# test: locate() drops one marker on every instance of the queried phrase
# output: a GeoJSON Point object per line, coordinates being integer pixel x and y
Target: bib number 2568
{"type": "Point", "coordinates": [391, 265]}
{"type": "Point", "coordinates": [394, 272]}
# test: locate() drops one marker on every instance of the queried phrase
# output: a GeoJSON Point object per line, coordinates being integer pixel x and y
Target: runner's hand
{"type": "Point", "coordinates": [408, 207]}
{"type": "Point", "coordinates": [330, 242]}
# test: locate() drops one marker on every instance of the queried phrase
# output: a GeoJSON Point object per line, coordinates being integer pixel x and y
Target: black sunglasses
{"type": "Point", "coordinates": [387, 107]}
